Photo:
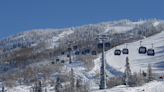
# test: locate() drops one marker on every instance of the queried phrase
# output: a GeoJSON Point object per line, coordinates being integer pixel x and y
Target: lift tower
{"type": "Point", "coordinates": [103, 84]}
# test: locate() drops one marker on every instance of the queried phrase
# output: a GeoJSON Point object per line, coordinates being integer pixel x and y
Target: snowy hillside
{"type": "Point", "coordinates": [140, 61]}
{"type": "Point", "coordinates": [56, 38]}
{"type": "Point", "coordinates": [153, 86]}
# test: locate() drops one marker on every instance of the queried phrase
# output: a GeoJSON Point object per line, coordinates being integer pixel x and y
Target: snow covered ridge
{"type": "Point", "coordinates": [29, 38]}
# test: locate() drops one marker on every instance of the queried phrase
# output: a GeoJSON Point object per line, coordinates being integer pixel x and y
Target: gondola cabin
{"type": "Point", "coordinates": [150, 52]}
{"type": "Point", "coordinates": [69, 49]}
{"type": "Point", "coordinates": [107, 44]}
{"type": "Point", "coordinates": [117, 52]}
{"type": "Point", "coordinates": [83, 53]}
{"type": "Point", "coordinates": [57, 60]}
{"type": "Point", "coordinates": [62, 53]}
{"type": "Point", "coordinates": [75, 47]}
{"type": "Point", "coordinates": [76, 53]}
{"type": "Point", "coordinates": [62, 61]}
{"type": "Point", "coordinates": [53, 63]}
{"type": "Point", "coordinates": [68, 55]}
{"type": "Point", "coordinates": [93, 52]}
{"type": "Point", "coordinates": [142, 50]}
{"type": "Point", "coordinates": [100, 45]}
{"type": "Point", "coordinates": [125, 51]}
{"type": "Point", "coordinates": [87, 51]}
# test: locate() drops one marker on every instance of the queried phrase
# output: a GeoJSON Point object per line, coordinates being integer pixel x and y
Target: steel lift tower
{"type": "Point", "coordinates": [103, 84]}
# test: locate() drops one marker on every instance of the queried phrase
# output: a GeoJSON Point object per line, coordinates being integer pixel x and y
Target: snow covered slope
{"type": "Point", "coordinates": [140, 61]}
{"type": "Point", "coordinates": [137, 61]}
{"type": "Point", "coordinates": [119, 28]}
{"type": "Point", "coordinates": [153, 86]}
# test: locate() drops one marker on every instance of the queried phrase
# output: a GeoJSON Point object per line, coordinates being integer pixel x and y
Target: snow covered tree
{"type": "Point", "coordinates": [149, 73]}
{"type": "Point", "coordinates": [112, 82]}
{"type": "Point", "coordinates": [144, 73]}
{"type": "Point", "coordinates": [3, 89]}
{"type": "Point", "coordinates": [72, 80]}
{"type": "Point", "coordinates": [86, 87]}
{"type": "Point", "coordinates": [127, 71]}
{"type": "Point", "coordinates": [58, 87]}
{"type": "Point", "coordinates": [40, 87]}
{"type": "Point", "coordinates": [137, 79]}
{"type": "Point", "coordinates": [78, 84]}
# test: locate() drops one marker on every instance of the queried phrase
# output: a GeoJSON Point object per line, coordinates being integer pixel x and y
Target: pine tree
{"type": "Point", "coordinates": [149, 73]}
{"type": "Point", "coordinates": [78, 84]}
{"type": "Point", "coordinates": [40, 87]}
{"type": "Point", "coordinates": [144, 74]}
{"type": "Point", "coordinates": [127, 71]}
{"type": "Point", "coordinates": [3, 89]}
{"type": "Point", "coordinates": [58, 87]}
{"type": "Point", "coordinates": [72, 80]}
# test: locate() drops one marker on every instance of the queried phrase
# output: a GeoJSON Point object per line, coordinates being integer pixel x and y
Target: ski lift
{"type": "Point", "coordinates": [62, 53]}
{"type": "Point", "coordinates": [151, 52]}
{"type": "Point", "coordinates": [76, 53]}
{"type": "Point", "coordinates": [62, 61]}
{"type": "Point", "coordinates": [107, 44]}
{"type": "Point", "coordinates": [93, 52]}
{"type": "Point", "coordinates": [117, 52]}
{"type": "Point", "coordinates": [87, 51]}
{"type": "Point", "coordinates": [57, 60]}
{"type": "Point", "coordinates": [125, 51]}
{"type": "Point", "coordinates": [75, 47]}
{"type": "Point", "coordinates": [100, 45]}
{"type": "Point", "coordinates": [53, 63]}
{"type": "Point", "coordinates": [69, 49]}
{"type": "Point", "coordinates": [142, 50]}
{"type": "Point", "coordinates": [68, 55]}
{"type": "Point", "coordinates": [83, 53]}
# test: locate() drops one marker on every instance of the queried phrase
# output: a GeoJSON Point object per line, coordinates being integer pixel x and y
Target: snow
{"type": "Point", "coordinates": [140, 61]}
{"type": "Point", "coordinates": [113, 63]}
{"type": "Point", "coordinates": [154, 86]}
{"type": "Point", "coordinates": [56, 38]}
{"type": "Point", "coordinates": [122, 28]}
{"type": "Point", "coordinates": [156, 23]}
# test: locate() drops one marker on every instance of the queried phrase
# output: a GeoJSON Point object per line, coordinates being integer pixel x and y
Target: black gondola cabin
{"type": "Point", "coordinates": [107, 44]}
{"type": "Point", "coordinates": [62, 53]}
{"type": "Point", "coordinates": [150, 52]}
{"type": "Point", "coordinates": [117, 52]}
{"type": "Point", "coordinates": [75, 47]}
{"type": "Point", "coordinates": [93, 52]}
{"type": "Point", "coordinates": [100, 45]}
{"type": "Point", "coordinates": [62, 61]}
{"type": "Point", "coordinates": [142, 50]}
{"type": "Point", "coordinates": [69, 49]}
{"type": "Point", "coordinates": [76, 53]}
{"type": "Point", "coordinates": [125, 51]}
{"type": "Point", "coordinates": [87, 51]}
{"type": "Point", "coordinates": [83, 53]}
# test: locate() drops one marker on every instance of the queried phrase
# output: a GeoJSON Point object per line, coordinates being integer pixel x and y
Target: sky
{"type": "Point", "coordinates": [23, 15]}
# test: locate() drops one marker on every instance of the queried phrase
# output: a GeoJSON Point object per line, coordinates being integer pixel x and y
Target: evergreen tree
{"type": "Point", "coordinates": [144, 74]}
{"type": "Point", "coordinates": [127, 71]}
{"type": "Point", "coordinates": [72, 80]}
{"type": "Point", "coordinates": [3, 89]}
{"type": "Point", "coordinates": [78, 84]}
{"type": "Point", "coordinates": [149, 73]}
{"type": "Point", "coordinates": [58, 87]}
{"type": "Point", "coordinates": [40, 87]}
